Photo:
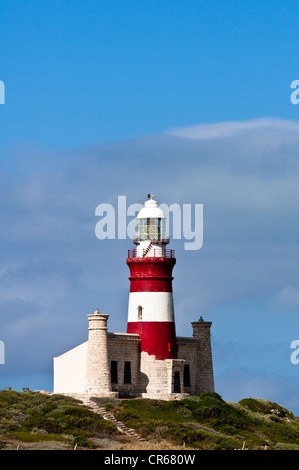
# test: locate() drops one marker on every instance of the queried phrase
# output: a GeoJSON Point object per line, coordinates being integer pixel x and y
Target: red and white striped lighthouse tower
{"type": "Point", "coordinates": [151, 311]}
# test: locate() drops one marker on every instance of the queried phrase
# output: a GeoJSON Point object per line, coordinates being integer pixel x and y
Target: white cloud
{"type": "Point", "coordinates": [288, 297]}
{"type": "Point", "coordinates": [220, 130]}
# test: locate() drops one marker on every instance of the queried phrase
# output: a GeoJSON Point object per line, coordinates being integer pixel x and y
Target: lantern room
{"type": "Point", "coordinates": [151, 237]}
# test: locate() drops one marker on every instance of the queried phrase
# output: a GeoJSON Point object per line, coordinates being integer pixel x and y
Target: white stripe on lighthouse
{"type": "Point", "coordinates": [156, 306]}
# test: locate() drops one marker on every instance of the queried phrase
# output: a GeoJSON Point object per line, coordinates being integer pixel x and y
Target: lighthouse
{"type": "Point", "coordinates": [151, 309]}
{"type": "Point", "coordinates": [149, 360]}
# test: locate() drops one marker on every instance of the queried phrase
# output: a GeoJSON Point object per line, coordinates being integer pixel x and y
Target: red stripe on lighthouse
{"type": "Point", "coordinates": [157, 338]}
{"type": "Point", "coordinates": [150, 284]}
{"type": "Point", "coordinates": [151, 274]}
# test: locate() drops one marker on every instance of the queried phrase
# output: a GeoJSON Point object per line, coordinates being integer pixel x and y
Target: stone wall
{"type": "Point", "coordinates": [189, 351]}
{"type": "Point", "coordinates": [156, 378]}
{"type": "Point", "coordinates": [150, 378]}
{"type": "Point", "coordinates": [122, 348]}
{"type": "Point", "coordinates": [88, 368]}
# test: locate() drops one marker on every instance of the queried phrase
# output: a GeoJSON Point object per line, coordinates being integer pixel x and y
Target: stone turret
{"type": "Point", "coordinates": [98, 381]}
{"type": "Point", "coordinates": [201, 332]}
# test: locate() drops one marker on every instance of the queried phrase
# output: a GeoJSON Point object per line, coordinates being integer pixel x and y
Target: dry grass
{"type": "Point", "coordinates": [163, 445]}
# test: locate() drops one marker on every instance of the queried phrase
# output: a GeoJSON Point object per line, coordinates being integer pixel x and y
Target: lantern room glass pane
{"type": "Point", "coordinates": [151, 229]}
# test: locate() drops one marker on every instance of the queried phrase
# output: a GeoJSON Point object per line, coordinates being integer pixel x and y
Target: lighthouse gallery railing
{"type": "Point", "coordinates": [153, 253]}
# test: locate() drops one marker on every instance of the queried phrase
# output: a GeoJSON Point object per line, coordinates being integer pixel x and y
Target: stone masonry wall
{"type": "Point", "coordinates": [123, 347]}
{"type": "Point", "coordinates": [188, 349]}
{"type": "Point", "coordinates": [156, 378]}
{"type": "Point", "coordinates": [150, 378]}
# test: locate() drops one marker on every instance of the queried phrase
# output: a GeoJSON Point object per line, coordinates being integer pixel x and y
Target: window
{"type": "Point", "coordinates": [151, 228]}
{"type": "Point", "coordinates": [127, 373]}
{"type": "Point", "coordinates": [173, 347]}
{"type": "Point", "coordinates": [113, 372]}
{"type": "Point", "coordinates": [176, 383]}
{"type": "Point", "coordinates": [139, 312]}
{"type": "Point", "coordinates": [187, 382]}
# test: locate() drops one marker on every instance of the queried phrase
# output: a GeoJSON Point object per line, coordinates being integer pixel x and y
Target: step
{"type": "Point", "coordinates": [110, 417]}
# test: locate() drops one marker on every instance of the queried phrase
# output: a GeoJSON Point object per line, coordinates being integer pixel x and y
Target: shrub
{"type": "Point", "coordinates": [109, 407]}
{"type": "Point", "coordinates": [48, 407]}
{"type": "Point", "coordinates": [265, 407]}
{"type": "Point", "coordinates": [83, 442]}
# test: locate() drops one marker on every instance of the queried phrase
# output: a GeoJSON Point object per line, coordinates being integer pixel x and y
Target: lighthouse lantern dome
{"type": "Point", "coordinates": [151, 210]}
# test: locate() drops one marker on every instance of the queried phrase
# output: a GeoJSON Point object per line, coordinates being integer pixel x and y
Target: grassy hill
{"type": "Point", "coordinates": [32, 420]}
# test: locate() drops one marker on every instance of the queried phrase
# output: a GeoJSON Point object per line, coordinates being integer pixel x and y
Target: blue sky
{"type": "Point", "coordinates": [107, 70]}
{"type": "Point", "coordinates": [188, 100]}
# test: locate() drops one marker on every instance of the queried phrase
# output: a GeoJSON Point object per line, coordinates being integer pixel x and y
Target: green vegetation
{"type": "Point", "coordinates": [202, 422]}
{"type": "Point", "coordinates": [208, 422]}
{"type": "Point", "coordinates": [35, 417]}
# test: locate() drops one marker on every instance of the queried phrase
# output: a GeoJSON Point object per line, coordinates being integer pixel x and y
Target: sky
{"type": "Point", "coordinates": [189, 101]}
